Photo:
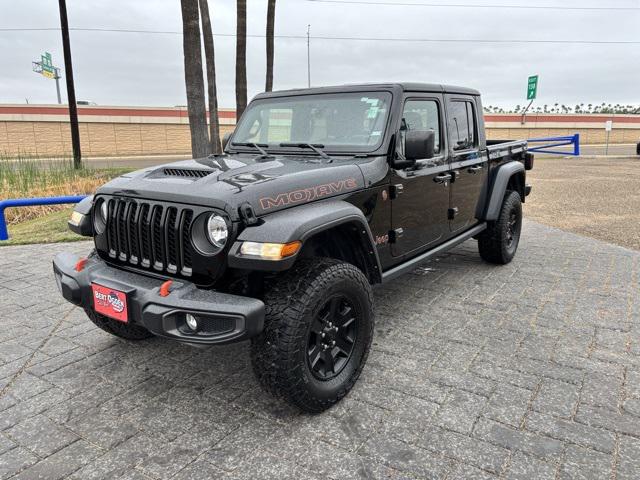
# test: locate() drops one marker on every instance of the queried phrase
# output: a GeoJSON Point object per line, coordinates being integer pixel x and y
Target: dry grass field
{"type": "Point", "coordinates": [599, 198]}
{"type": "Point", "coordinates": [32, 177]}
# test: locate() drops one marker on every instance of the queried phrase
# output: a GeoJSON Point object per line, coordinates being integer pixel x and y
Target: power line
{"type": "Point", "coordinates": [344, 38]}
{"type": "Point", "coordinates": [464, 5]}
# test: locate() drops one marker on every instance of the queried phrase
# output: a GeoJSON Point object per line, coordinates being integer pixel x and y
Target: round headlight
{"type": "Point", "coordinates": [100, 215]}
{"type": "Point", "coordinates": [217, 231]}
{"type": "Point", "coordinates": [104, 212]}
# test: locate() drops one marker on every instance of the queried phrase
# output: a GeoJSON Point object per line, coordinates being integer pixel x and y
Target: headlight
{"type": "Point", "coordinates": [217, 231]}
{"type": "Point", "coordinates": [104, 211]}
{"type": "Point", "coordinates": [100, 216]}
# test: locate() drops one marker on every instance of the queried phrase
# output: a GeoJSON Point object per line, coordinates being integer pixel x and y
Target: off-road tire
{"type": "Point", "coordinates": [279, 355]}
{"type": "Point", "coordinates": [128, 331]}
{"type": "Point", "coordinates": [499, 242]}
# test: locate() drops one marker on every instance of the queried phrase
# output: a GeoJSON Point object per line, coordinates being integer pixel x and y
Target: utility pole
{"type": "Point", "coordinates": [71, 92]}
{"type": "Point", "coordinates": [308, 56]}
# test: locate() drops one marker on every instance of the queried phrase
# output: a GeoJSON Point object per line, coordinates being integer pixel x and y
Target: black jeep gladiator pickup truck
{"type": "Point", "coordinates": [319, 194]}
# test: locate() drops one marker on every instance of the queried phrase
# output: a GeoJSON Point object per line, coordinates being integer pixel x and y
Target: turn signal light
{"type": "Point", "coordinates": [76, 218]}
{"type": "Point", "coordinates": [270, 251]}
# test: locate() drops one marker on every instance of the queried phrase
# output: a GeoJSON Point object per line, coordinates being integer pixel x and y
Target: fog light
{"type": "Point", "coordinates": [192, 322]}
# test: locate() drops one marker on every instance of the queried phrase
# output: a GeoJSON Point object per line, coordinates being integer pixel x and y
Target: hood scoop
{"type": "Point", "coordinates": [186, 172]}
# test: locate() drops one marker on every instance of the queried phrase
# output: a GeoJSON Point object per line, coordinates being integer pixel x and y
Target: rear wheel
{"type": "Point", "coordinates": [317, 335]}
{"type": "Point", "coordinates": [499, 242]}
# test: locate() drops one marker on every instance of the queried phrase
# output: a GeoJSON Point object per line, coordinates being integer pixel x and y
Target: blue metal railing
{"type": "Point", "coordinates": [554, 142]}
{"type": "Point", "coordinates": [30, 202]}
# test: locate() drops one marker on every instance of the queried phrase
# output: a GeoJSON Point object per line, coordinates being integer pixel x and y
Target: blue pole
{"type": "Point", "coordinates": [31, 202]}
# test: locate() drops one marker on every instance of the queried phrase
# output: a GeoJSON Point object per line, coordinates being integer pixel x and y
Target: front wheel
{"type": "Point", "coordinates": [499, 242]}
{"type": "Point", "coordinates": [317, 335]}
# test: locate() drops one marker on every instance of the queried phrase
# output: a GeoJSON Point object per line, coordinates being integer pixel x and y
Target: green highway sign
{"type": "Point", "coordinates": [532, 87]}
{"type": "Point", "coordinates": [48, 70]}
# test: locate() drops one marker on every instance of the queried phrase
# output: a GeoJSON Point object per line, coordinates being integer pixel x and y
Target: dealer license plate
{"type": "Point", "coordinates": [109, 302]}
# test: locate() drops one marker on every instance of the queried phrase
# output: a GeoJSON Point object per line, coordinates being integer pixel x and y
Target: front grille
{"type": "Point", "coordinates": [150, 236]}
{"type": "Point", "coordinates": [186, 172]}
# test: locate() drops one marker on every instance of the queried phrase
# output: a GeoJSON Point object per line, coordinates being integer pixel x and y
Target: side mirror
{"type": "Point", "coordinates": [419, 144]}
{"type": "Point", "coordinates": [225, 139]}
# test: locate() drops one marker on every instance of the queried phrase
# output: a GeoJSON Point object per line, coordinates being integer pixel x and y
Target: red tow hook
{"type": "Point", "coordinates": [165, 288]}
{"type": "Point", "coordinates": [80, 264]}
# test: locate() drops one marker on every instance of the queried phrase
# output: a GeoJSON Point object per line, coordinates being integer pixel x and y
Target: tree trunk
{"type": "Point", "coordinates": [271, 20]}
{"type": "Point", "coordinates": [209, 53]}
{"type": "Point", "coordinates": [241, 57]}
{"type": "Point", "coordinates": [193, 78]}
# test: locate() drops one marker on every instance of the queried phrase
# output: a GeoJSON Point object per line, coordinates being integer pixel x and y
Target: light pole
{"type": "Point", "coordinates": [308, 56]}
{"type": "Point", "coordinates": [57, 78]}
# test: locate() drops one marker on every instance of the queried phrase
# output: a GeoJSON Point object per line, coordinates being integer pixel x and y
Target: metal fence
{"type": "Point", "coordinates": [30, 202]}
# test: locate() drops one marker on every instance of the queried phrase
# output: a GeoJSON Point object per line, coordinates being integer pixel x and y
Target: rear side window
{"type": "Point", "coordinates": [462, 125]}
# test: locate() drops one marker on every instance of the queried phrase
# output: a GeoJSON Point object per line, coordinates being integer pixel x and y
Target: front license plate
{"type": "Point", "coordinates": [109, 302]}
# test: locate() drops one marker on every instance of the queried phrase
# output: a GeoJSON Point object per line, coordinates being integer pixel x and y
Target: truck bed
{"type": "Point", "coordinates": [505, 148]}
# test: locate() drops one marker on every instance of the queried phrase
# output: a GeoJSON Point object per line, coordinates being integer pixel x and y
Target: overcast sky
{"type": "Point", "coordinates": [143, 69]}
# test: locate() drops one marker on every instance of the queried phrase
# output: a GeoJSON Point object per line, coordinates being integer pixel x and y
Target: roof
{"type": "Point", "coordinates": [404, 86]}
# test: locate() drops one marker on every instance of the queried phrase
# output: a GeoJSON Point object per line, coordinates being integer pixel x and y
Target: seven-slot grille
{"type": "Point", "coordinates": [150, 236]}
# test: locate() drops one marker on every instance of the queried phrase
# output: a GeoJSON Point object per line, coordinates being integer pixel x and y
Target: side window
{"type": "Point", "coordinates": [462, 125]}
{"type": "Point", "coordinates": [422, 115]}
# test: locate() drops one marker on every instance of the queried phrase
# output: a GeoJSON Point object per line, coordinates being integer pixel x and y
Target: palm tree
{"type": "Point", "coordinates": [241, 57]}
{"type": "Point", "coordinates": [209, 53]}
{"type": "Point", "coordinates": [193, 78]}
{"type": "Point", "coordinates": [271, 20]}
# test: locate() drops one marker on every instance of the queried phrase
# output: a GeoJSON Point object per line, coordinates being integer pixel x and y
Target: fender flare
{"type": "Point", "coordinates": [301, 223]}
{"type": "Point", "coordinates": [498, 187]}
{"type": "Point", "coordinates": [84, 205]}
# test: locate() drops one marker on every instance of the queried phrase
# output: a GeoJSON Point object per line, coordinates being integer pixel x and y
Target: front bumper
{"type": "Point", "coordinates": [225, 318]}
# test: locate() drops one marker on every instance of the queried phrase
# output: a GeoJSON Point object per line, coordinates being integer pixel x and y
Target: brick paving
{"type": "Point", "coordinates": [530, 370]}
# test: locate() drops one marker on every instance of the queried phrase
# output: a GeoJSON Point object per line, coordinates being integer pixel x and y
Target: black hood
{"type": "Point", "coordinates": [226, 182]}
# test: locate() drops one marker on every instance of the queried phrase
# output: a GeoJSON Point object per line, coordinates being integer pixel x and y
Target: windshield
{"type": "Point", "coordinates": [337, 121]}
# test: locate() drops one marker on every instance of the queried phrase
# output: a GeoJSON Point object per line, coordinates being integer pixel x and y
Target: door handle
{"type": "Point", "coordinates": [444, 178]}
{"type": "Point", "coordinates": [474, 169]}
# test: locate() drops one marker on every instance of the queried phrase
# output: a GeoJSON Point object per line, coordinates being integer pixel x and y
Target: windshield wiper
{"type": "Point", "coordinates": [313, 146]}
{"type": "Point", "coordinates": [257, 146]}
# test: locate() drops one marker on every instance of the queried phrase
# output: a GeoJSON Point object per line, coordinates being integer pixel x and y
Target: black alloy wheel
{"type": "Point", "coordinates": [332, 337]}
{"type": "Point", "coordinates": [513, 230]}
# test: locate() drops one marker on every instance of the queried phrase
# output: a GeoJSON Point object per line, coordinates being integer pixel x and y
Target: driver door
{"type": "Point", "coordinates": [419, 209]}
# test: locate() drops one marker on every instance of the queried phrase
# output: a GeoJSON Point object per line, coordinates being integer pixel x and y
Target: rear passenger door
{"type": "Point", "coordinates": [469, 165]}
